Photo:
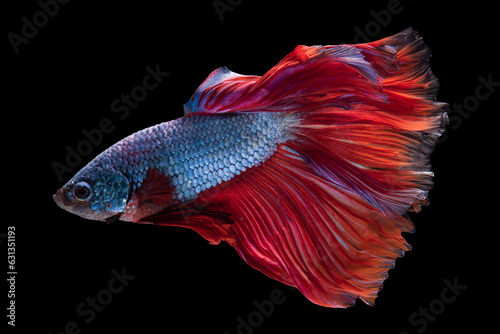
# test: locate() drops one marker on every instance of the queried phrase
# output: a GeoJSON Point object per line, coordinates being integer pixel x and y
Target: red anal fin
{"type": "Point", "coordinates": [307, 232]}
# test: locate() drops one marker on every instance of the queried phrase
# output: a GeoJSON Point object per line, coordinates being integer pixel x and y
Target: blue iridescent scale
{"type": "Point", "coordinates": [198, 152]}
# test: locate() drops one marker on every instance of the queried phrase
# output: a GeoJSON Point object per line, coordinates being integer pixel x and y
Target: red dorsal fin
{"type": "Point", "coordinates": [306, 79]}
{"type": "Point", "coordinates": [369, 117]}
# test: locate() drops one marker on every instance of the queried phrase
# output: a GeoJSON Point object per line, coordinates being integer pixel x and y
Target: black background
{"type": "Point", "coordinates": [64, 80]}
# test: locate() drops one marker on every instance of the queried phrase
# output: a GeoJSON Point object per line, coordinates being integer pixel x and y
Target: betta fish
{"type": "Point", "coordinates": [308, 171]}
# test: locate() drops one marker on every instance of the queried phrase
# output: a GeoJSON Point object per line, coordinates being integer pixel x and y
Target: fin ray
{"type": "Point", "coordinates": [325, 213]}
{"type": "Point", "coordinates": [211, 225]}
{"type": "Point", "coordinates": [304, 231]}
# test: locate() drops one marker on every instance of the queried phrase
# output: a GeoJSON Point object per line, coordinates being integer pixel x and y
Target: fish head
{"type": "Point", "coordinates": [95, 193]}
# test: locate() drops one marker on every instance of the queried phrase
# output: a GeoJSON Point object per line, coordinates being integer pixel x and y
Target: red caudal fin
{"type": "Point", "coordinates": [325, 212]}
{"type": "Point", "coordinates": [380, 147]}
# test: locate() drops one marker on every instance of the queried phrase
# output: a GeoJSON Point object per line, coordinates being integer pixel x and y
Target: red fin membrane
{"type": "Point", "coordinates": [155, 193]}
{"type": "Point", "coordinates": [211, 225]}
{"type": "Point", "coordinates": [151, 203]}
{"type": "Point", "coordinates": [381, 149]}
{"type": "Point", "coordinates": [369, 119]}
{"type": "Point", "coordinates": [299, 229]}
{"type": "Point", "coordinates": [308, 79]}
{"type": "Point", "coordinates": [325, 213]}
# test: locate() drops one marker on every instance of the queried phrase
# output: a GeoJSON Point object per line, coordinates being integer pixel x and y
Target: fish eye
{"type": "Point", "coordinates": [82, 191]}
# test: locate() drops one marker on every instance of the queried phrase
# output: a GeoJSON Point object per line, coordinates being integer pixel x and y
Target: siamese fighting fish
{"type": "Point", "coordinates": [308, 171]}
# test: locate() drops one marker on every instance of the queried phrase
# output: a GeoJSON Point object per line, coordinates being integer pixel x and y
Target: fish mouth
{"type": "Point", "coordinates": [61, 200]}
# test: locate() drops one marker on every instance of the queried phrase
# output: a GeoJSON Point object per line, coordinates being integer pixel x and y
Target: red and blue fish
{"type": "Point", "coordinates": [308, 171]}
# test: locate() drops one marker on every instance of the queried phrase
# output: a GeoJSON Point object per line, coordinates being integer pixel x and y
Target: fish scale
{"type": "Point", "coordinates": [198, 152]}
